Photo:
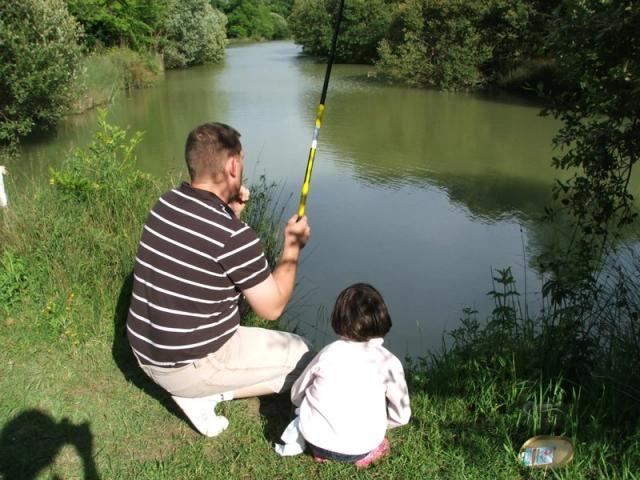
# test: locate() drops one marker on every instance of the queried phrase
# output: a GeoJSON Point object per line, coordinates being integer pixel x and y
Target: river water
{"type": "Point", "coordinates": [420, 193]}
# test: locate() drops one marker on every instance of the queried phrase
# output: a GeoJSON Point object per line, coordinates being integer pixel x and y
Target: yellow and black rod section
{"type": "Point", "coordinates": [319, 114]}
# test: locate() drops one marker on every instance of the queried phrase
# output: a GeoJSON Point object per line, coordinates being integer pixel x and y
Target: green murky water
{"type": "Point", "coordinates": [418, 192]}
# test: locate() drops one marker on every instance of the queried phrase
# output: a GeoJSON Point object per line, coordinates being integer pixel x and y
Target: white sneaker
{"type": "Point", "coordinates": [201, 413]}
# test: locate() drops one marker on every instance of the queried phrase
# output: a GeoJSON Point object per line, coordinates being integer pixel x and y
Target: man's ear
{"type": "Point", "coordinates": [233, 165]}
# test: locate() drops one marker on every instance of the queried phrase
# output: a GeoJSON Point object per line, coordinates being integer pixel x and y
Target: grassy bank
{"type": "Point", "coordinates": [75, 404]}
{"type": "Point", "coordinates": [105, 73]}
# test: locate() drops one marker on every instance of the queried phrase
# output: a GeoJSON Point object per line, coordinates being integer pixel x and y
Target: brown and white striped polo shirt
{"type": "Point", "coordinates": [194, 259]}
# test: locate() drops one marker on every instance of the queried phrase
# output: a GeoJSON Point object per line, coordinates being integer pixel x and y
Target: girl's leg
{"type": "Point", "coordinates": [321, 454]}
{"type": "Point", "coordinates": [374, 455]}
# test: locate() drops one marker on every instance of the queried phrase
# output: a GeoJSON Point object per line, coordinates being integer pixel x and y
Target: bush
{"type": "Point", "coordinates": [280, 27]}
{"type": "Point", "coordinates": [281, 7]}
{"type": "Point", "coordinates": [249, 19]}
{"type": "Point", "coordinates": [39, 57]}
{"type": "Point", "coordinates": [364, 24]}
{"type": "Point", "coordinates": [439, 45]}
{"type": "Point", "coordinates": [194, 33]}
{"type": "Point", "coordinates": [461, 45]}
{"type": "Point", "coordinates": [310, 25]}
{"type": "Point", "coordinates": [107, 23]}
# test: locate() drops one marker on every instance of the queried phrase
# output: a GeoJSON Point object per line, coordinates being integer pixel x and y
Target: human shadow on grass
{"type": "Point", "coordinates": [31, 440]}
{"type": "Point", "coordinates": [276, 411]}
{"type": "Point", "coordinates": [123, 356]}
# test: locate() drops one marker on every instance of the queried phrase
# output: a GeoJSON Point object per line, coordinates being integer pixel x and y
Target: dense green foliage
{"type": "Point", "coordinates": [194, 33]}
{"type": "Point", "coordinates": [252, 19]}
{"type": "Point", "coordinates": [256, 19]}
{"type": "Point", "coordinates": [597, 46]}
{"type": "Point", "coordinates": [311, 26]}
{"type": "Point", "coordinates": [440, 44]}
{"type": "Point", "coordinates": [464, 44]}
{"type": "Point", "coordinates": [187, 32]}
{"type": "Point", "coordinates": [113, 23]}
{"type": "Point", "coordinates": [364, 24]}
{"type": "Point", "coordinates": [39, 59]}
{"type": "Point", "coordinates": [450, 44]}
{"type": "Point", "coordinates": [281, 7]}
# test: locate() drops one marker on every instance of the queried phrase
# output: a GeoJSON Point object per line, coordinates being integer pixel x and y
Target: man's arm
{"type": "Point", "coordinates": [269, 298]}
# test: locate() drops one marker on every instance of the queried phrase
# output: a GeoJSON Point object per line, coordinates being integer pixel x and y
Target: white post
{"type": "Point", "coordinates": [3, 193]}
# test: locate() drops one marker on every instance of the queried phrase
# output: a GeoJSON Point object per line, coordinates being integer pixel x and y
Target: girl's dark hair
{"type": "Point", "coordinates": [360, 313]}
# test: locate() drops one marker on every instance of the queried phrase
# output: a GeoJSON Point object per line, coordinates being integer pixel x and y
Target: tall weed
{"type": "Point", "coordinates": [547, 374]}
{"type": "Point", "coordinates": [104, 73]}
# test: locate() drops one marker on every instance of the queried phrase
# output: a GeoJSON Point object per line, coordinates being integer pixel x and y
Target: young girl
{"type": "Point", "coordinates": [354, 389]}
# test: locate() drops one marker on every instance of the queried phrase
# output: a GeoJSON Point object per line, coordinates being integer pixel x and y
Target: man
{"type": "Point", "coordinates": [195, 260]}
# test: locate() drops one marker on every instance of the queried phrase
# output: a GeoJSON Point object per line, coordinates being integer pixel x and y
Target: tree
{"type": "Point", "coordinates": [364, 24]}
{"type": "Point", "coordinates": [436, 43]}
{"type": "Point", "coordinates": [310, 25]}
{"type": "Point", "coordinates": [113, 22]}
{"type": "Point", "coordinates": [257, 19]}
{"type": "Point", "coordinates": [249, 19]}
{"type": "Point", "coordinates": [596, 45]}
{"type": "Point", "coordinates": [39, 58]}
{"type": "Point", "coordinates": [193, 33]}
{"type": "Point", "coordinates": [281, 7]}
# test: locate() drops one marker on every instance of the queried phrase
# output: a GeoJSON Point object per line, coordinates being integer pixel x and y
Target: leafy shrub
{"type": "Point", "coordinates": [132, 23]}
{"type": "Point", "coordinates": [256, 19]}
{"type": "Point", "coordinates": [364, 24]}
{"type": "Point", "coordinates": [440, 45]}
{"type": "Point", "coordinates": [39, 57]}
{"type": "Point", "coordinates": [102, 175]}
{"type": "Point", "coordinates": [281, 7]}
{"type": "Point", "coordinates": [249, 19]}
{"type": "Point", "coordinates": [280, 27]}
{"type": "Point", "coordinates": [194, 33]}
{"type": "Point", "coordinates": [461, 45]}
{"type": "Point", "coordinates": [310, 25]}
{"type": "Point", "coordinates": [514, 30]}
{"type": "Point", "coordinates": [67, 247]}
{"type": "Point", "coordinates": [596, 98]}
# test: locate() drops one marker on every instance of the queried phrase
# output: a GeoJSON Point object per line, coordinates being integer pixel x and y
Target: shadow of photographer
{"type": "Point", "coordinates": [31, 441]}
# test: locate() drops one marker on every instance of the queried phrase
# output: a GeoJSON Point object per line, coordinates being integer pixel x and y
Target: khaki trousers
{"type": "Point", "coordinates": [250, 357]}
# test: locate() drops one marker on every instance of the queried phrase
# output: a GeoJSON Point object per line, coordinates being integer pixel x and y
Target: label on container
{"type": "Point", "coordinates": [534, 457]}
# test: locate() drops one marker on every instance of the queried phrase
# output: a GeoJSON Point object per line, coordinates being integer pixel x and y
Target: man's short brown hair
{"type": "Point", "coordinates": [208, 147]}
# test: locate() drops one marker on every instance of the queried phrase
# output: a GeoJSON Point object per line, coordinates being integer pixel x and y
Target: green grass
{"type": "Point", "coordinates": [74, 403]}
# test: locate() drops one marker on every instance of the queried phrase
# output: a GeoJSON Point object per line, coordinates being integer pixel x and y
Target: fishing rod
{"type": "Point", "coordinates": [314, 142]}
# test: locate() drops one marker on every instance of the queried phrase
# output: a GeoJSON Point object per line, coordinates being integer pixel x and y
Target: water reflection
{"type": "Point", "coordinates": [417, 192]}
